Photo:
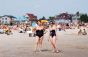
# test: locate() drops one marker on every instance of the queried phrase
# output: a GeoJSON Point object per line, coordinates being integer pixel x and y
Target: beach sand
{"type": "Point", "coordinates": [21, 45]}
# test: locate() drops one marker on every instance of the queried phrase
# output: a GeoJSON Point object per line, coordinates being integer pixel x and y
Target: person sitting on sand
{"type": "Point", "coordinates": [80, 32]}
{"type": "Point", "coordinates": [84, 32]}
{"type": "Point", "coordinates": [8, 31]}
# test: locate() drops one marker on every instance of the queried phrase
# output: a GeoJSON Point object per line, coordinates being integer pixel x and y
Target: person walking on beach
{"type": "Point", "coordinates": [39, 36]}
{"type": "Point", "coordinates": [53, 37]}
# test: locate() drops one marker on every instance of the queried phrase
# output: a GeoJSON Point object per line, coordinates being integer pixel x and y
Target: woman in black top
{"type": "Point", "coordinates": [53, 36]}
{"type": "Point", "coordinates": [39, 36]}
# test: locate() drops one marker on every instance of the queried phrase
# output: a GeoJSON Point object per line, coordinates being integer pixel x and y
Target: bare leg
{"type": "Point", "coordinates": [41, 41]}
{"type": "Point", "coordinates": [51, 40]}
{"type": "Point", "coordinates": [53, 43]}
{"type": "Point", "coordinates": [37, 43]}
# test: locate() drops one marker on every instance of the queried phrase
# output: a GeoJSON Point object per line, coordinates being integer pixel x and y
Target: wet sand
{"type": "Point", "coordinates": [21, 45]}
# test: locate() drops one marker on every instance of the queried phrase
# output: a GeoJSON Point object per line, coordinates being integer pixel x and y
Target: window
{"type": "Point", "coordinates": [5, 22]}
{"type": "Point", "coordinates": [5, 18]}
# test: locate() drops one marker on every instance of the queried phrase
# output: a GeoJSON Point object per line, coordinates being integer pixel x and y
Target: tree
{"type": "Point", "coordinates": [77, 13]}
{"type": "Point", "coordinates": [11, 21]}
{"type": "Point", "coordinates": [84, 18]}
{"type": "Point", "coordinates": [43, 18]}
{"type": "Point", "coordinates": [51, 18]}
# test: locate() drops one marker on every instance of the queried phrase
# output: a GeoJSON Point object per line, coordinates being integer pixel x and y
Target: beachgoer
{"type": "Point", "coordinates": [53, 37]}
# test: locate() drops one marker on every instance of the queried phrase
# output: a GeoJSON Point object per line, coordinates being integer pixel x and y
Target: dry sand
{"type": "Point", "coordinates": [20, 45]}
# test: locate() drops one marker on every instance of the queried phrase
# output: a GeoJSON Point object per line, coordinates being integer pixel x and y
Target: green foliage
{"type": "Point", "coordinates": [51, 18]}
{"type": "Point", "coordinates": [43, 18]}
{"type": "Point", "coordinates": [84, 18]}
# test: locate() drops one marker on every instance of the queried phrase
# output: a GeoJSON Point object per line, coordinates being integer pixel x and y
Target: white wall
{"type": "Point", "coordinates": [5, 20]}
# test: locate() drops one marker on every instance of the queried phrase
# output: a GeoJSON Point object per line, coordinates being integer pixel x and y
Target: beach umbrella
{"type": "Point", "coordinates": [60, 21]}
{"type": "Point", "coordinates": [45, 21]}
{"type": "Point", "coordinates": [34, 24]}
{"type": "Point", "coordinates": [67, 21]}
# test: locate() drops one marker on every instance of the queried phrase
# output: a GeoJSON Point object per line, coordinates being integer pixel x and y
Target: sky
{"type": "Point", "coordinates": [42, 7]}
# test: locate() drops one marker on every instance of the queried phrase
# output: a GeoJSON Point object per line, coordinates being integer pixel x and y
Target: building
{"type": "Point", "coordinates": [31, 17]}
{"type": "Point", "coordinates": [6, 19]}
{"type": "Point", "coordinates": [75, 18]}
{"type": "Point", "coordinates": [63, 18]}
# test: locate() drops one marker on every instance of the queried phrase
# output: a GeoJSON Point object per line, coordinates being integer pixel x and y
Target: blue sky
{"type": "Point", "coordinates": [42, 7]}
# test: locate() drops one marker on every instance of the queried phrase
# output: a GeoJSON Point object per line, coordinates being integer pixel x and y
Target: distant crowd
{"type": "Point", "coordinates": [27, 28]}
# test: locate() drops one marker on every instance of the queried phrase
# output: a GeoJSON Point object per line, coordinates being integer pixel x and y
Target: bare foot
{"type": "Point", "coordinates": [56, 51]}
